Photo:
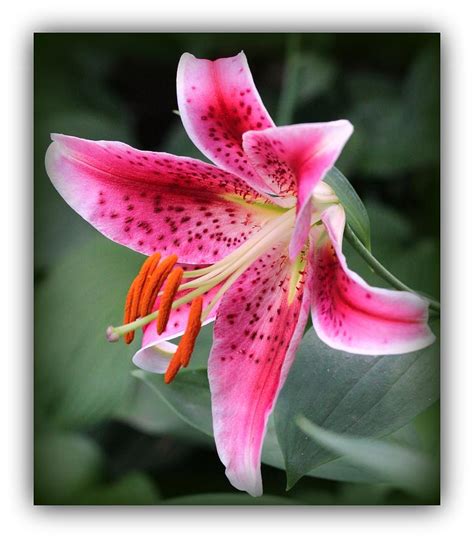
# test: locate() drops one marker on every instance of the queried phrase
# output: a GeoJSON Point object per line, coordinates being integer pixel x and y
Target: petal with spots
{"type": "Point", "coordinates": [153, 201]}
{"type": "Point", "coordinates": [218, 103]}
{"type": "Point", "coordinates": [292, 160]}
{"type": "Point", "coordinates": [256, 335]}
{"type": "Point", "coordinates": [350, 315]}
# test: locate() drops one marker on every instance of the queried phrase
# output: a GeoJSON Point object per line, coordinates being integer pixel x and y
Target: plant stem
{"type": "Point", "coordinates": [290, 81]}
{"type": "Point", "coordinates": [379, 269]}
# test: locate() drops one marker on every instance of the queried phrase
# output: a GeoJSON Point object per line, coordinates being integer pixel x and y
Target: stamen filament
{"type": "Point", "coordinates": [224, 289]}
{"type": "Point", "coordinates": [230, 268]}
{"type": "Point", "coordinates": [268, 227]}
{"type": "Point", "coordinates": [235, 259]}
{"type": "Point", "coordinates": [240, 267]}
{"type": "Point", "coordinates": [143, 321]}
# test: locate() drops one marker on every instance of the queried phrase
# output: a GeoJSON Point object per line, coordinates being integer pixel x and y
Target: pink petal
{"type": "Point", "coordinates": [350, 315]}
{"type": "Point", "coordinates": [218, 102]}
{"type": "Point", "coordinates": [152, 201]}
{"type": "Point", "coordinates": [292, 160]}
{"type": "Point", "coordinates": [149, 357]}
{"type": "Point", "coordinates": [255, 338]}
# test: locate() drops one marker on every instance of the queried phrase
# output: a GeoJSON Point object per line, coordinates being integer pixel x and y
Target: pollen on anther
{"type": "Point", "coordinates": [185, 348]}
{"type": "Point", "coordinates": [171, 288]}
{"type": "Point", "coordinates": [132, 302]}
{"type": "Point", "coordinates": [154, 284]}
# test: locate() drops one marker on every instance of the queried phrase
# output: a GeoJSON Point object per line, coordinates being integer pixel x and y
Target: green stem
{"type": "Point", "coordinates": [290, 81]}
{"type": "Point", "coordinates": [379, 269]}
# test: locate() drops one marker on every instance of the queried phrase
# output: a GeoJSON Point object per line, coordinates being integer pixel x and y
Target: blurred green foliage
{"type": "Point", "coordinates": [103, 436]}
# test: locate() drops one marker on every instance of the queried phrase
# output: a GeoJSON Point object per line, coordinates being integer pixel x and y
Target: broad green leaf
{"type": "Point", "coordinates": [188, 396]}
{"type": "Point", "coordinates": [150, 415]}
{"type": "Point", "coordinates": [229, 499]}
{"type": "Point", "coordinates": [193, 406]}
{"type": "Point", "coordinates": [364, 396]}
{"type": "Point", "coordinates": [344, 470]}
{"type": "Point", "coordinates": [133, 489]}
{"type": "Point", "coordinates": [345, 494]}
{"type": "Point", "coordinates": [65, 464]}
{"type": "Point", "coordinates": [81, 378]}
{"type": "Point", "coordinates": [395, 464]}
{"type": "Point", "coordinates": [189, 399]}
{"type": "Point", "coordinates": [356, 214]}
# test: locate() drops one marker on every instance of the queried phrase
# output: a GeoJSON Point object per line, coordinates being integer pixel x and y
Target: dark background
{"type": "Point", "coordinates": [124, 446]}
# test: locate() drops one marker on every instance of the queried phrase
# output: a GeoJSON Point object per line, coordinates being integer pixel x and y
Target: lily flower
{"type": "Point", "coordinates": [253, 242]}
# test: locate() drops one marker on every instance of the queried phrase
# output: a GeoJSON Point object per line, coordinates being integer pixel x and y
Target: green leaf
{"type": "Point", "coordinates": [356, 213]}
{"type": "Point", "coordinates": [81, 378]}
{"type": "Point", "coordinates": [189, 396]}
{"type": "Point", "coordinates": [346, 494]}
{"type": "Point", "coordinates": [395, 464]}
{"type": "Point", "coordinates": [229, 499]}
{"type": "Point", "coordinates": [366, 396]}
{"type": "Point", "coordinates": [150, 415]}
{"type": "Point", "coordinates": [133, 489]}
{"type": "Point", "coordinates": [65, 464]}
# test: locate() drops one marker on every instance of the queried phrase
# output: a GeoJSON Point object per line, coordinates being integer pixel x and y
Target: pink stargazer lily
{"type": "Point", "coordinates": [260, 238]}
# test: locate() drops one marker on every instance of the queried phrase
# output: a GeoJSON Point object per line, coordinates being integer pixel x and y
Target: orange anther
{"type": "Point", "coordinates": [154, 284]}
{"type": "Point", "coordinates": [135, 291]}
{"type": "Point", "coordinates": [173, 368]}
{"type": "Point", "coordinates": [186, 346]}
{"type": "Point", "coordinates": [126, 312]}
{"type": "Point", "coordinates": [166, 301]}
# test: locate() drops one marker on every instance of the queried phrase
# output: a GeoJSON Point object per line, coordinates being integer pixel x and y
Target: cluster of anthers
{"type": "Point", "coordinates": [164, 279]}
{"type": "Point", "coordinates": [147, 285]}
